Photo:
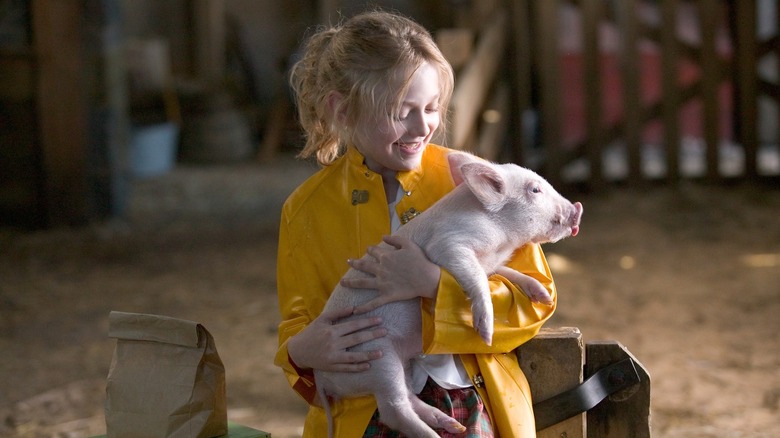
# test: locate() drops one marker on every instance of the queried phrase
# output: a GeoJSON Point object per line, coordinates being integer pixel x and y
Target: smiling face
{"type": "Point", "coordinates": [396, 143]}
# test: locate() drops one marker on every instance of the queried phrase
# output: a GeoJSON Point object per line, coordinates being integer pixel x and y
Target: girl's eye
{"type": "Point", "coordinates": [432, 110]}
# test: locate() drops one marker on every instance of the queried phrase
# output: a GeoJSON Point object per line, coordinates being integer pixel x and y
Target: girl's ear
{"type": "Point", "coordinates": [337, 107]}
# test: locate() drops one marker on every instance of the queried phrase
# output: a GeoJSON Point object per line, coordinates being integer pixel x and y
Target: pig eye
{"type": "Point", "coordinates": [536, 189]}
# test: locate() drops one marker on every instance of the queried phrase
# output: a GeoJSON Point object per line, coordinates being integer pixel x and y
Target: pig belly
{"type": "Point", "coordinates": [403, 342]}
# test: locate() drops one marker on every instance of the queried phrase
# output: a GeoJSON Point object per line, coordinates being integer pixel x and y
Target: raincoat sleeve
{"type": "Point", "coordinates": [447, 322]}
{"type": "Point", "coordinates": [297, 311]}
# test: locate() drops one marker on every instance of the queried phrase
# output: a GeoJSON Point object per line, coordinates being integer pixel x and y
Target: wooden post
{"type": "Point", "coordinates": [710, 13]}
{"type": "Point", "coordinates": [550, 83]}
{"type": "Point", "coordinates": [632, 96]}
{"type": "Point", "coordinates": [747, 89]}
{"type": "Point", "coordinates": [553, 363]}
{"type": "Point", "coordinates": [521, 76]}
{"type": "Point", "coordinates": [671, 89]}
{"type": "Point", "coordinates": [625, 413]}
{"type": "Point", "coordinates": [62, 108]}
{"type": "Point", "coordinates": [592, 11]}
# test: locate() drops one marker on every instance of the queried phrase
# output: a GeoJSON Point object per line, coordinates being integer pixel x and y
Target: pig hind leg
{"type": "Point", "coordinates": [395, 403]}
{"type": "Point", "coordinates": [435, 417]}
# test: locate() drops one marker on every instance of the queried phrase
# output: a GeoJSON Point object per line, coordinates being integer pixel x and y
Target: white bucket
{"type": "Point", "coordinates": [153, 149]}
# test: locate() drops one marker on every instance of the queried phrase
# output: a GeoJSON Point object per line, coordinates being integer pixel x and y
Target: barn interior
{"type": "Point", "coordinates": [147, 148]}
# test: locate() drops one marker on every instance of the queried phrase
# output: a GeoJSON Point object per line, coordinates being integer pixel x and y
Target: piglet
{"type": "Point", "coordinates": [471, 232]}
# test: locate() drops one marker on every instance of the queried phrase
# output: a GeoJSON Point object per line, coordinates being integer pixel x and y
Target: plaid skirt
{"type": "Point", "coordinates": [463, 405]}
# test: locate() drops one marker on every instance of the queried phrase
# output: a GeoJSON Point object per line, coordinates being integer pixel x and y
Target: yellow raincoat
{"type": "Point", "coordinates": [323, 224]}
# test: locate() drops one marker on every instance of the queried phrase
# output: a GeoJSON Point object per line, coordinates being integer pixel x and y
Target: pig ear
{"type": "Point", "coordinates": [486, 183]}
{"type": "Point", "coordinates": [457, 160]}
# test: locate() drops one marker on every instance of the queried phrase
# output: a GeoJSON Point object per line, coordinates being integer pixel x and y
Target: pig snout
{"type": "Point", "coordinates": [567, 220]}
{"type": "Point", "coordinates": [575, 218]}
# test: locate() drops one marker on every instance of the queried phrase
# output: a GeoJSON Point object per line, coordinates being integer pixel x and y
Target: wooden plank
{"type": "Point", "coordinates": [632, 96]}
{"type": "Point", "coordinates": [669, 83]}
{"type": "Point", "coordinates": [475, 81]}
{"type": "Point", "coordinates": [547, 22]}
{"type": "Point", "coordinates": [627, 412]}
{"type": "Point", "coordinates": [710, 18]}
{"type": "Point", "coordinates": [747, 103]}
{"type": "Point", "coordinates": [592, 12]}
{"type": "Point", "coordinates": [553, 363]}
{"type": "Point", "coordinates": [62, 108]}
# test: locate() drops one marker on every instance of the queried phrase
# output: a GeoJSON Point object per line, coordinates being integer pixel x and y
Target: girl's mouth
{"type": "Point", "coordinates": [409, 148]}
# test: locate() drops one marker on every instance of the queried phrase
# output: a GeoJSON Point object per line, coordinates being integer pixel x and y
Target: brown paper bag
{"type": "Point", "coordinates": [165, 380]}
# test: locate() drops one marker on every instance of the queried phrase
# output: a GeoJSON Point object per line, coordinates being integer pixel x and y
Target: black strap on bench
{"type": "Point", "coordinates": [587, 395]}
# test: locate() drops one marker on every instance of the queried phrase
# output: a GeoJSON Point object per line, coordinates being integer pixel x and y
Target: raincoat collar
{"type": "Point", "coordinates": [408, 179]}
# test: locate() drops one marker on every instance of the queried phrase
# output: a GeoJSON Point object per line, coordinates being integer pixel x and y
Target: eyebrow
{"type": "Point", "coordinates": [436, 98]}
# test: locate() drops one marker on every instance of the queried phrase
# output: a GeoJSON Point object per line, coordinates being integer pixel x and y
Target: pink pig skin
{"type": "Point", "coordinates": [471, 232]}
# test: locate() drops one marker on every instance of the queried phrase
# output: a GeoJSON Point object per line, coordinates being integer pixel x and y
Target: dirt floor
{"type": "Point", "coordinates": [688, 279]}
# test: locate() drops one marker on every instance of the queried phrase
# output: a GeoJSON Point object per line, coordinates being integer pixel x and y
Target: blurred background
{"type": "Point", "coordinates": [147, 146]}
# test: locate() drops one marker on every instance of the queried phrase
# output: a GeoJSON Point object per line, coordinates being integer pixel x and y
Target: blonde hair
{"type": "Point", "coordinates": [369, 61]}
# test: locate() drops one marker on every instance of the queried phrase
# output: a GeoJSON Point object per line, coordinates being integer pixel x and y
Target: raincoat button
{"type": "Point", "coordinates": [479, 382]}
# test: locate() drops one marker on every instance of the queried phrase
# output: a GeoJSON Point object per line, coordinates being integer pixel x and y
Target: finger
{"type": "Point", "coordinates": [359, 283]}
{"type": "Point", "coordinates": [376, 252]}
{"type": "Point", "coordinates": [396, 241]}
{"type": "Point", "coordinates": [363, 265]}
{"type": "Point", "coordinates": [333, 315]}
{"type": "Point", "coordinates": [359, 357]}
{"type": "Point", "coordinates": [355, 325]}
{"type": "Point", "coordinates": [355, 367]}
{"type": "Point", "coordinates": [371, 305]}
{"type": "Point", "coordinates": [357, 338]}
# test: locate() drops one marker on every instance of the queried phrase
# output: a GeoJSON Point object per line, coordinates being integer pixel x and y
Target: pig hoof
{"type": "Point", "coordinates": [452, 426]}
{"type": "Point", "coordinates": [544, 299]}
{"type": "Point", "coordinates": [486, 335]}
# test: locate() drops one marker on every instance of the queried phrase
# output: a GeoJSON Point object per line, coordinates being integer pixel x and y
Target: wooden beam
{"type": "Point", "coordinates": [475, 81]}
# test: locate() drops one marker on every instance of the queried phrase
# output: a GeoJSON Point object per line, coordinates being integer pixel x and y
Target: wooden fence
{"type": "Point", "coordinates": [557, 360]}
{"type": "Point", "coordinates": [624, 90]}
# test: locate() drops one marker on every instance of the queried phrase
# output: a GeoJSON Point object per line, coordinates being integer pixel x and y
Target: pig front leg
{"type": "Point", "coordinates": [465, 267]}
{"type": "Point", "coordinates": [529, 285]}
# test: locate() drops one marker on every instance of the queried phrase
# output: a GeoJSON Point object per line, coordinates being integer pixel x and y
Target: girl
{"type": "Point", "coordinates": [371, 94]}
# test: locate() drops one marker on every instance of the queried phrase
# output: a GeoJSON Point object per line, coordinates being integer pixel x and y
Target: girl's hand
{"type": "Point", "coordinates": [323, 344]}
{"type": "Point", "coordinates": [401, 272]}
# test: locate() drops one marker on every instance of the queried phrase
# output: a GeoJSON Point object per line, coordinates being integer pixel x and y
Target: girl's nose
{"type": "Point", "coordinates": [418, 125]}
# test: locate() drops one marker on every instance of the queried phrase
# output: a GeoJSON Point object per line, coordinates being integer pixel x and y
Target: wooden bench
{"type": "Point", "coordinates": [617, 386]}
